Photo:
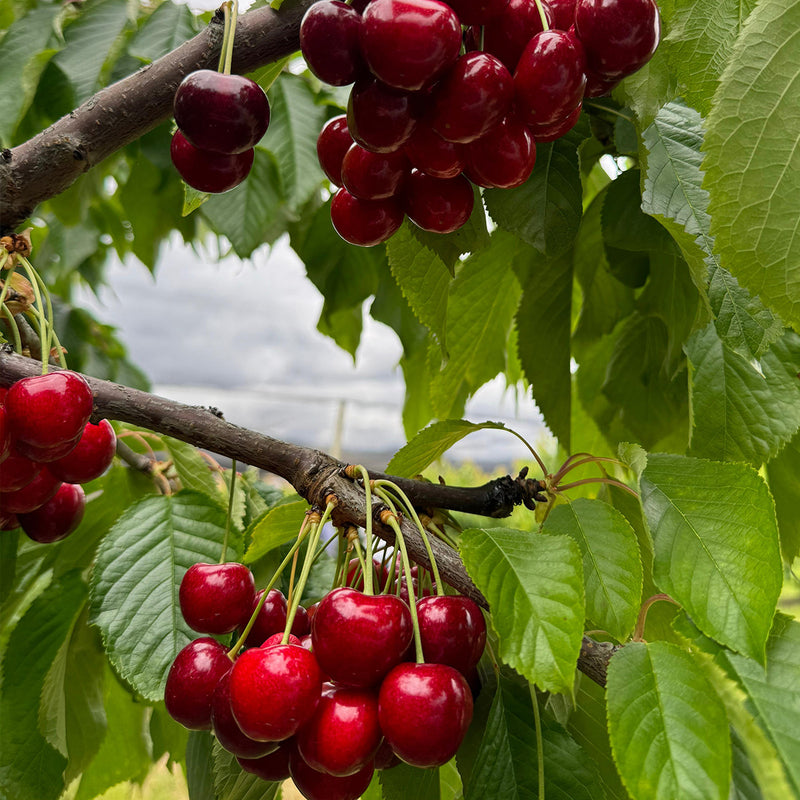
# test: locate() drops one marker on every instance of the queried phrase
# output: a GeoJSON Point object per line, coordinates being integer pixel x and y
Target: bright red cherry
{"type": "Point", "coordinates": [424, 712]}
{"type": "Point", "coordinates": [228, 733]}
{"type": "Point", "coordinates": [191, 682]}
{"type": "Point", "coordinates": [508, 34]}
{"type": "Point", "coordinates": [16, 471]}
{"type": "Point", "coordinates": [550, 78]}
{"type": "Point", "coordinates": [358, 638]}
{"type": "Point", "coordinates": [329, 42]}
{"type": "Point", "coordinates": [343, 735]}
{"type": "Point", "coordinates": [272, 767]}
{"type": "Point", "coordinates": [315, 785]}
{"type": "Point", "coordinates": [437, 204]}
{"type": "Point", "coordinates": [217, 598]}
{"type": "Point", "coordinates": [277, 638]}
{"type": "Point", "coordinates": [549, 133]}
{"type": "Point", "coordinates": [409, 43]}
{"type": "Point", "coordinates": [46, 455]}
{"type": "Point", "coordinates": [373, 176]}
{"type": "Point", "coordinates": [333, 142]}
{"type": "Point", "coordinates": [33, 495]}
{"type": "Point", "coordinates": [452, 630]}
{"type": "Point", "coordinates": [563, 14]}
{"type": "Point", "coordinates": [504, 157]}
{"type": "Point", "coordinates": [207, 171]}
{"type": "Point", "coordinates": [380, 118]}
{"type": "Point", "coordinates": [477, 12]}
{"type": "Point", "coordinates": [225, 114]}
{"type": "Point", "coordinates": [46, 410]}
{"type": "Point", "coordinates": [90, 458]}
{"type": "Point", "coordinates": [274, 691]}
{"type": "Point", "coordinates": [58, 517]}
{"type": "Point", "coordinates": [620, 36]}
{"type": "Point", "coordinates": [365, 222]}
{"type": "Point", "coordinates": [428, 152]}
{"type": "Point", "coordinates": [473, 96]}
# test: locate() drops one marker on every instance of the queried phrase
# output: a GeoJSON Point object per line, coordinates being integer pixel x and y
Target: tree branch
{"type": "Point", "coordinates": [314, 475]}
{"type": "Point", "coordinates": [51, 161]}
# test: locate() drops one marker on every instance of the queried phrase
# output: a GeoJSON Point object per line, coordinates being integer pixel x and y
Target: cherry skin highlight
{"type": "Point", "coordinates": [333, 142]}
{"type": "Point", "coordinates": [329, 42]}
{"type": "Point", "coordinates": [434, 156]}
{"type": "Point", "coordinates": [207, 171]}
{"type": "Point", "coordinates": [217, 598]}
{"type": "Point", "coordinates": [90, 458]}
{"type": "Point", "coordinates": [452, 630]}
{"type": "Point", "coordinates": [380, 119]}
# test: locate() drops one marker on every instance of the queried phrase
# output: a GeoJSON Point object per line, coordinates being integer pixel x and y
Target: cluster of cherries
{"type": "Point", "coordinates": [220, 120]}
{"type": "Point", "coordinates": [342, 697]}
{"type": "Point", "coordinates": [48, 448]}
{"type": "Point", "coordinates": [425, 121]}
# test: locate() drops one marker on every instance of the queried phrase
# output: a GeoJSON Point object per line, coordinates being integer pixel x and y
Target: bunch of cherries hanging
{"type": "Point", "coordinates": [425, 121]}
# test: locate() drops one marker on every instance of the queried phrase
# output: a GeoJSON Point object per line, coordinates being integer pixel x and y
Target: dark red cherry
{"type": "Point", "coordinates": [272, 767]}
{"type": "Point", "coordinates": [562, 13]}
{"type": "Point", "coordinates": [343, 735]}
{"type": "Point", "coordinates": [549, 133]}
{"type": "Point", "coordinates": [508, 34]}
{"type": "Point", "coordinates": [228, 733]}
{"type": "Point", "coordinates": [33, 495]}
{"type": "Point", "coordinates": [373, 176]}
{"type": "Point", "coordinates": [333, 142]}
{"type": "Point", "coordinates": [271, 618]}
{"type": "Point", "coordinates": [16, 471]}
{"type": "Point", "coordinates": [452, 630]}
{"type": "Point", "coordinates": [550, 78]}
{"type": "Point", "coordinates": [504, 157]}
{"type": "Point", "coordinates": [58, 517]}
{"type": "Point", "coordinates": [8, 521]}
{"type": "Point", "coordinates": [473, 96]}
{"type": "Point", "coordinates": [90, 458]}
{"type": "Point", "coordinates": [365, 222]}
{"type": "Point", "coordinates": [274, 691]}
{"type": "Point", "coordinates": [207, 171]}
{"type": "Point", "coordinates": [315, 785]}
{"type": "Point", "coordinates": [409, 43]}
{"type": "Point", "coordinates": [191, 682]}
{"type": "Point", "coordinates": [217, 598]}
{"type": "Point", "coordinates": [424, 711]}
{"type": "Point", "coordinates": [5, 434]}
{"type": "Point", "coordinates": [427, 151]}
{"type": "Point", "coordinates": [619, 36]}
{"type": "Point", "coordinates": [46, 410]}
{"type": "Point", "coordinates": [438, 204]}
{"type": "Point", "coordinates": [225, 114]}
{"type": "Point", "coordinates": [380, 118]}
{"type": "Point", "coordinates": [386, 758]}
{"type": "Point", "coordinates": [598, 85]}
{"type": "Point", "coordinates": [329, 42]}
{"type": "Point", "coordinates": [358, 638]}
{"type": "Point", "coordinates": [47, 455]}
{"type": "Point", "coordinates": [477, 12]}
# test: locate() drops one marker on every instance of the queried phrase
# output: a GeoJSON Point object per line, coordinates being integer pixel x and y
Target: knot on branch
{"type": "Point", "coordinates": [533, 490]}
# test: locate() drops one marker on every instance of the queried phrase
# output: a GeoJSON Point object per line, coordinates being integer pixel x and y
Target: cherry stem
{"type": "Point", "coordinates": [313, 541]}
{"type": "Point", "coordinates": [545, 27]}
{"type": "Point", "coordinates": [290, 594]}
{"type": "Point", "coordinates": [362, 564]}
{"type": "Point", "coordinates": [638, 631]}
{"type": "Point", "coordinates": [610, 481]}
{"type": "Point", "coordinates": [43, 328]}
{"type": "Point", "coordinates": [442, 534]}
{"type": "Point", "coordinates": [231, 495]}
{"type": "Point", "coordinates": [537, 721]}
{"type": "Point", "coordinates": [412, 600]}
{"type": "Point", "coordinates": [12, 324]}
{"type": "Point", "coordinates": [567, 467]}
{"type": "Point", "coordinates": [304, 528]}
{"type": "Point", "coordinates": [422, 532]}
{"type": "Point", "coordinates": [231, 13]}
{"type": "Point", "coordinates": [7, 282]}
{"type": "Point", "coordinates": [367, 527]}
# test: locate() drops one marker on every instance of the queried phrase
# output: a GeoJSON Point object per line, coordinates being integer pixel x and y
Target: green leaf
{"type": "Point", "coordinates": [716, 546]}
{"type": "Point", "coordinates": [546, 305]}
{"type": "Point", "coordinates": [168, 736]}
{"type": "Point", "coordinates": [752, 161]}
{"type": "Point", "coordinates": [295, 122]}
{"type": "Point", "coordinates": [450, 785]}
{"type": "Point", "coordinates": [482, 302]}
{"type": "Point", "coordinates": [423, 279]}
{"type": "Point", "coordinates": [648, 89]}
{"type": "Point", "coordinates": [274, 528]}
{"type": "Point", "coordinates": [267, 75]}
{"type": "Point", "coordinates": [743, 411]}
{"type": "Point", "coordinates": [404, 781]}
{"type": "Point", "coordinates": [775, 693]}
{"type": "Point", "coordinates": [200, 765]}
{"type": "Point", "coordinates": [193, 469]}
{"type": "Point", "coordinates": [140, 564]}
{"type": "Point", "coordinates": [231, 782]}
{"type": "Point", "coordinates": [669, 731]}
{"type": "Point", "coordinates": [24, 58]}
{"type": "Point", "coordinates": [612, 569]}
{"type": "Point", "coordinates": [701, 37]}
{"type": "Point", "coordinates": [89, 42]}
{"type": "Point", "coordinates": [8, 562]}
{"type": "Point", "coordinates": [431, 443]}
{"type": "Point", "coordinates": [30, 769]}
{"type": "Point", "coordinates": [254, 212]}
{"type": "Point", "coordinates": [545, 211]}
{"type": "Point", "coordinates": [534, 585]}
{"type": "Point", "coordinates": [782, 474]}
{"type": "Point", "coordinates": [192, 199]}
{"type": "Point", "coordinates": [169, 26]}
{"type": "Point", "coordinates": [71, 714]}
{"type": "Point", "coordinates": [124, 754]}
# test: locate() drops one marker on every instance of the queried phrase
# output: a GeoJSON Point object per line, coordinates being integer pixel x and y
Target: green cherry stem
{"type": "Point", "coordinates": [45, 342]}
{"type": "Point", "coordinates": [12, 324]}
{"type": "Point", "coordinates": [542, 15]}
{"type": "Point", "coordinates": [367, 528]}
{"type": "Point", "coordinates": [7, 282]}
{"type": "Point", "coordinates": [231, 495]}
{"type": "Point", "coordinates": [362, 563]}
